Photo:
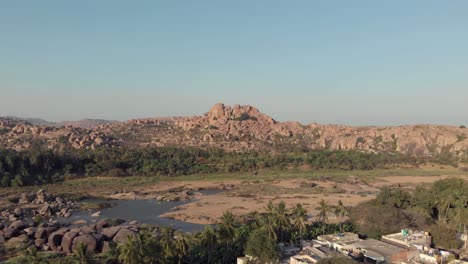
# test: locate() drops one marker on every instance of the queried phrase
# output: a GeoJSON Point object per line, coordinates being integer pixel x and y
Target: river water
{"type": "Point", "coordinates": [143, 211]}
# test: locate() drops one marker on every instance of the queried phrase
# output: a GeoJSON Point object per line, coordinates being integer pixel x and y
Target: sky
{"type": "Point", "coordinates": [342, 62]}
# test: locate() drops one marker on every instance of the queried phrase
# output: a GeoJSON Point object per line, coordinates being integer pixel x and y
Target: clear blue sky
{"type": "Point", "coordinates": [350, 62]}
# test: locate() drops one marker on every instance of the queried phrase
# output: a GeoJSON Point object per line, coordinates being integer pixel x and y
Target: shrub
{"type": "Point", "coordinates": [444, 237]}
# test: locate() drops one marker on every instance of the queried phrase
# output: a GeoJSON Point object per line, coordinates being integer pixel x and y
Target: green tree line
{"type": "Point", "coordinates": [39, 166]}
{"type": "Point", "coordinates": [441, 209]}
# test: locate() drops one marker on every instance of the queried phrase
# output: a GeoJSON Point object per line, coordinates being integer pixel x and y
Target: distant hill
{"type": "Point", "coordinates": [32, 121]}
{"type": "Point", "coordinates": [237, 128]}
{"type": "Point", "coordinates": [85, 123]}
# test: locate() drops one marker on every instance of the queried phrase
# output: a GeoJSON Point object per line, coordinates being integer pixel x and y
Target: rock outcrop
{"type": "Point", "coordinates": [238, 128]}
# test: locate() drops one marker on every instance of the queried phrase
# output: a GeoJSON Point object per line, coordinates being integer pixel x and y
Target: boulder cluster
{"type": "Point", "coordinates": [53, 237]}
{"type": "Point", "coordinates": [32, 221]}
{"type": "Point", "coordinates": [40, 205]}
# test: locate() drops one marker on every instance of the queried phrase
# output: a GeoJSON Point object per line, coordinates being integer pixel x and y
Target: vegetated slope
{"type": "Point", "coordinates": [239, 128]}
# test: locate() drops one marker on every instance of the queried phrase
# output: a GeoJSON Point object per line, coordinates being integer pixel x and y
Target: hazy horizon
{"type": "Point", "coordinates": [330, 62]}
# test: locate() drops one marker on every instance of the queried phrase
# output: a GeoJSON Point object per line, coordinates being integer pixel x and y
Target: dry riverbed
{"type": "Point", "coordinates": [242, 194]}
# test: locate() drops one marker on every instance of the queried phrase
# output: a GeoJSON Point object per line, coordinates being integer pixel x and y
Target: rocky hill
{"type": "Point", "coordinates": [83, 123]}
{"type": "Point", "coordinates": [238, 128]}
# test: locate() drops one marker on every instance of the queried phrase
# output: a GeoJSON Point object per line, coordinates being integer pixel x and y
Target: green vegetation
{"type": "Point", "coordinates": [41, 166]}
{"type": "Point", "coordinates": [442, 209]}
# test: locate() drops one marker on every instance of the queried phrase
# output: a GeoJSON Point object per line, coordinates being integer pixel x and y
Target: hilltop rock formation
{"type": "Point", "coordinates": [239, 128]}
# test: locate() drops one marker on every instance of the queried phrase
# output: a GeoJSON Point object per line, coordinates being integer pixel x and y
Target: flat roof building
{"type": "Point", "coordinates": [408, 238]}
{"type": "Point", "coordinates": [376, 251]}
{"type": "Point", "coordinates": [342, 242]}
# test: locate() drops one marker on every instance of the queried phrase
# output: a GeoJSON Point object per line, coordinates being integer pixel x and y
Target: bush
{"type": "Point", "coordinates": [444, 237]}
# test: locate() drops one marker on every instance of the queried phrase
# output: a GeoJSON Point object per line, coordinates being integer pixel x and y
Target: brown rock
{"type": "Point", "coordinates": [122, 235]}
{"type": "Point", "coordinates": [106, 246]}
{"type": "Point", "coordinates": [39, 242]}
{"type": "Point", "coordinates": [110, 232]}
{"type": "Point", "coordinates": [55, 239]}
{"type": "Point", "coordinates": [18, 225]}
{"type": "Point", "coordinates": [9, 232]}
{"type": "Point", "coordinates": [17, 241]}
{"type": "Point", "coordinates": [24, 199]}
{"type": "Point", "coordinates": [87, 239]}
{"type": "Point", "coordinates": [101, 224]}
{"type": "Point", "coordinates": [44, 232]}
{"type": "Point", "coordinates": [67, 241]}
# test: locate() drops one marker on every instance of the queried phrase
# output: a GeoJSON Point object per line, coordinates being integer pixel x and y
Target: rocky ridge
{"type": "Point", "coordinates": [240, 128]}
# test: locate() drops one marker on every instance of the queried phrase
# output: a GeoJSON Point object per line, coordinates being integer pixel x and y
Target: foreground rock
{"type": "Point", "coordinates": [19, 229]}
{"type": "Point", "coordinates": [66, 238]}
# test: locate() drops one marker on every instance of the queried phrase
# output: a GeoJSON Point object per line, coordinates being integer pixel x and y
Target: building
{"type": "Point", "coordinates": [376, 251]}
{"type": "Point", "coordinates": [243, 260]}
{"type": "Point", "coordinates": [288, 250]}
{"type": "Point", "coordinates": [342, 242]}
{"type": "Point", "coordinates": [311, 254]}
{"type": "Point", "coordinates": [302, 259]}
{"type": "Point", "coordinates": [408, 238]}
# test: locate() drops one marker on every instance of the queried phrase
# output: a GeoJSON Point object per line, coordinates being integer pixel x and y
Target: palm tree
{"type": "Point", "coordinates": [270, 209]}
{"type": "Point", "coordinates": [112, 255]}
{"type": "Point", "coordinates": [281, 219]}
{"type": "Point", "coordinates": [299, 220]}
{"type": "Point", "coordinates": [83, 255]}
{"type": "Point", "coordinates": [227, 227]}
{"type": "Point", "coordinates": [254, 220]}
{"type": "Point", "coordinates": [181, 244]}
{"type": "Point", "coordinates": [269, 224]}
{"type": "Point", "coordinates": [340, 211]}
{"type": "Point", "coordinates": [166, 240]}
{"type": "Point", "coordinates": [208, 242]}
{"type": "Point", "coordinates": [131, 251]}
{"type": "Point", "coordinates": [322, 217]}
{"type": "Point", "coordinates": [227, 231]}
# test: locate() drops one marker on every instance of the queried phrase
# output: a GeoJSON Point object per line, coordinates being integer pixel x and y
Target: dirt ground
{"type": "Point", "coordinates": [250, 196]}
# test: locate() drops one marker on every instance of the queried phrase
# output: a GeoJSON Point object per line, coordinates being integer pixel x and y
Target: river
{"type": "Point", "coordinates": [143, 211]}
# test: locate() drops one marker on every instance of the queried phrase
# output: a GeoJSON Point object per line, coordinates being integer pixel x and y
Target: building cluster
{"type": "Point", "coordinates": [408, 246]}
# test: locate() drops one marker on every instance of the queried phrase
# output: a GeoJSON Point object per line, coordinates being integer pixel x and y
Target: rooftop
{"type": "Point", "coordinates": [340, 238]}
{"type": "Point", "coordinates": [376, 249]}
{"type": "Point", "coordinates": [408, 238]}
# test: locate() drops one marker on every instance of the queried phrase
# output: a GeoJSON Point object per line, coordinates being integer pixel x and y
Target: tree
{"type": "Point", "coordinates": [254, 220]}
{"type": "Point", "coordinates": [282, 221]}
{"type": "Point", "coordinates": [227, 231]}
{"type": "Point", "coordinates": [181, 244]}
{"type": "Point", "coordinates": [208, 242]}
{"type": "Point", "coordinates": [269, 224]}
{"type": "Point", "coordinates": [261, 247]}
{"type": "Point", "coordinates": [83, 255]}
{"type": "Point", "coordinates": [132, 251]}
{"type": "Point", "coordinates": [299, 220]}
{"type": "Point", "coordinates": [340, 211]}
{"type": "Point", "coordinates": [227, 227]}
{"type": "Point", "coordinates": [444, 237]}
{"type": "Point", "coordinates": [322, 217]}
{"type": "Point", "coordinates": [166, 240]}
{"type": "Point", "coordinates": [112, 255]}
